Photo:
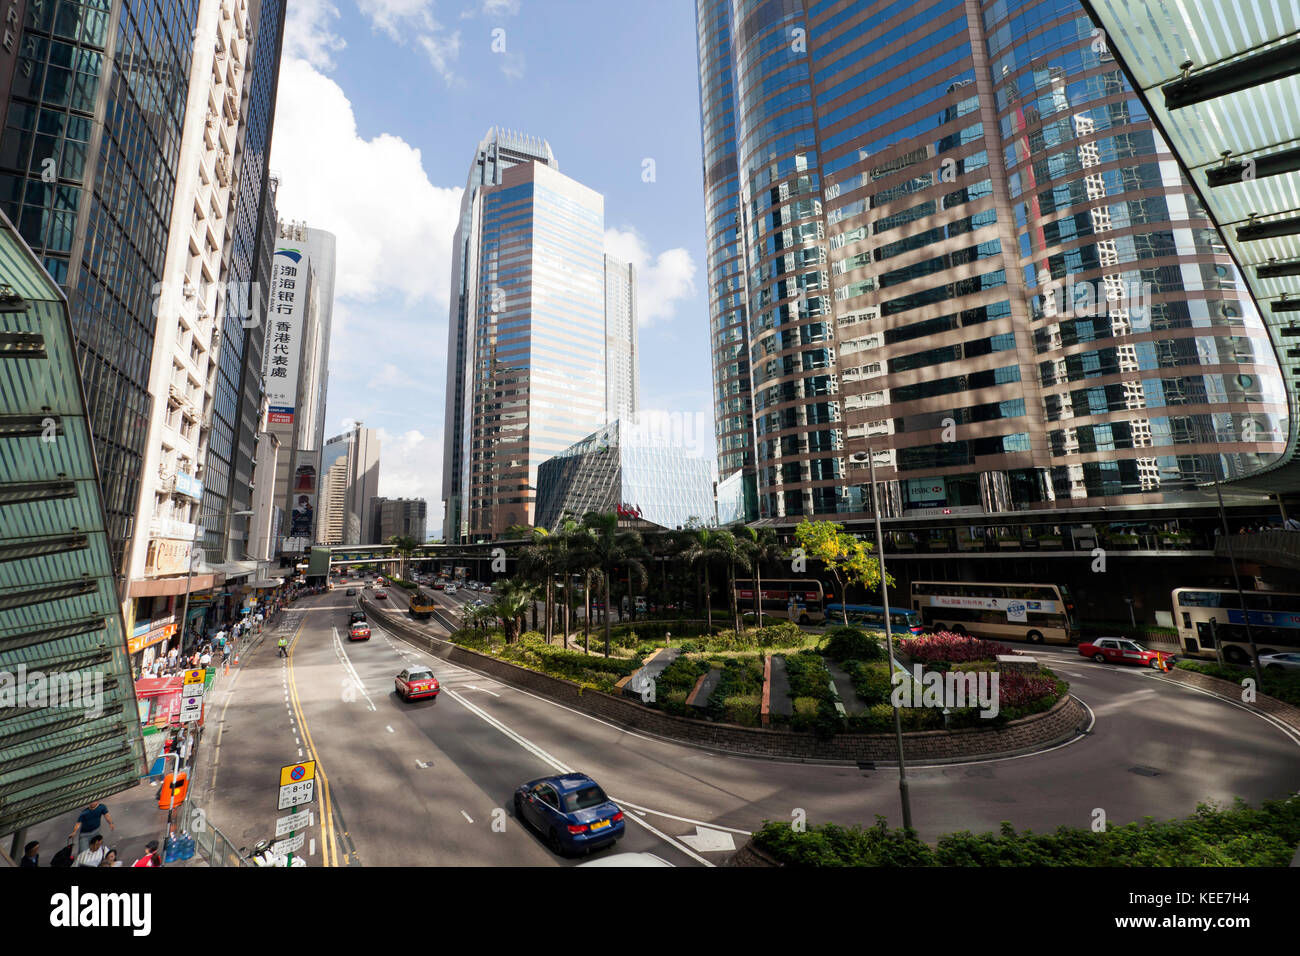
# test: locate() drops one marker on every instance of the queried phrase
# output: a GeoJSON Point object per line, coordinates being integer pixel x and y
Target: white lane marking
{"type": "Point", "coordinates": [467, 816]}
{"type": "Point", "coordinates": [1286, 729]}
{"type": "Point", "coordinates": [709, 840]}
{"type": "Point", "coordinates": [560, 767]}
{"type": "Point", "coordinates": [483, 689]}
{"type": "Point", "coordinates": [299, 753]}
{"type": "Point", "coordinates": [422, 765]}
{"type": "Point", "coordinates": [342, 655]}
{"type": "Point", "coordinates": [311, 851]}
{"type": "Point", "coordinates": [390, 730]}
{"type": "Point", "coordinates": [623, 804]}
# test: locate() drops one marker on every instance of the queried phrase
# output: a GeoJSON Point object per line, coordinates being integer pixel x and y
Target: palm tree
{"type": "Point", "coordinates": [731, 550]}
{"type": "Point", "coordinates": [539, 562]}
{"type": "Point", "coordinates": [764, 547]}
{"type": "Point", "coordinates": [609, 548]}
{"type": "Point", "coordinates": [510, 605]}
{"type": "Point", "coordinates": [476, 616]}
{"type": "Point", "coordinates": [405, 546]}
{"type": "Point", "coordinates": [700, 551]}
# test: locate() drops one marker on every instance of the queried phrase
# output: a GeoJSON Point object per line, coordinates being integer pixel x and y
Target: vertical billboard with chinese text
{"type": "Point", "coordinates": [284, 333]}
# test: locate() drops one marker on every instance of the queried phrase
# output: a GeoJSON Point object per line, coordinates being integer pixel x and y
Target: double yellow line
{"type": "Point", "coordinates": [329, 842]}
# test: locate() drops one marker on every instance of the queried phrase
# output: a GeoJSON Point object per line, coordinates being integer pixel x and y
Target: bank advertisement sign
{"type": "Point", "coordinates": [284, 332]}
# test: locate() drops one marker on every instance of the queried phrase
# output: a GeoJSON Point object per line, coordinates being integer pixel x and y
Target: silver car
{"type": "Point", "coordinates": [1285, 661]}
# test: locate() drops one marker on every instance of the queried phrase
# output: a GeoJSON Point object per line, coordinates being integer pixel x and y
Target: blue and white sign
{"type": "Point", "coordinates": [189, 486]}
{"type": "Point", "coordinates": [1016, 612]}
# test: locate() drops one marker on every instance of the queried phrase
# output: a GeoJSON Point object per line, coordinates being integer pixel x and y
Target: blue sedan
{"type": "Point", "coordinates": [570, 811]}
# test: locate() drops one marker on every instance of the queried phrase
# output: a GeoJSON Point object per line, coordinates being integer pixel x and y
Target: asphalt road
{"type": "Point", "coordinates": [431, 782]}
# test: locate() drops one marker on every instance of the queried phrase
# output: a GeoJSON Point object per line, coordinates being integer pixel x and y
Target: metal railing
{"type": "Point", "coordinates": [1277, 548]}
{"type": "Point", "coordinates": [215, 846]}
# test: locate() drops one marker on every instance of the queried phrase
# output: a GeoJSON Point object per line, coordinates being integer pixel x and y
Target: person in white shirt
{"type": "Point", "coordinates": [94, 854]}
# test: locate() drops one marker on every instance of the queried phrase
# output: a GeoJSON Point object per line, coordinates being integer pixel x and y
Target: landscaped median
{"type": "Point", "coordinates": [1236, 836]}
{"type": "Point", "coordinates": [714, 691]}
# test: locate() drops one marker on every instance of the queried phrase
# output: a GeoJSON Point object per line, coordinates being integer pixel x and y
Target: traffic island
{"type": "Point", "coordinates": [1061, 722]}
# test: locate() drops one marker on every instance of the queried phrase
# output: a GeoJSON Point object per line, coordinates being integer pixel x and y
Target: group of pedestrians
{"type": "Point", "coordinates": [86, 846]}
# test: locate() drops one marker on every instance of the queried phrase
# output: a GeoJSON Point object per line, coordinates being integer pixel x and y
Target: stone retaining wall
{"type": "Point", "coordinates": [1060, 723]}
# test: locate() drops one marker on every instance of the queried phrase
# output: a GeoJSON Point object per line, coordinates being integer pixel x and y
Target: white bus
{"type": "Point", "coordinates": [1038, 613]}
{"type": "Point", "coordinates": [1274, 622]}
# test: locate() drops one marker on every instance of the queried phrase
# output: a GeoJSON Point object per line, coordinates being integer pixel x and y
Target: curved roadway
{"type": "Point", "coordinates": [431, 782]}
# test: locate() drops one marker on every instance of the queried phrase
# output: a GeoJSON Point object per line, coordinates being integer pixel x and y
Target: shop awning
{"type": "Point", "coordinates": [266, 583]}
{"type": "Point", "coordinates": [155, 587]}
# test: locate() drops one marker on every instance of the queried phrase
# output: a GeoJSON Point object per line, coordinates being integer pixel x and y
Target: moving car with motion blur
{"type": "Point", "coordinates": [570, 811]}
{"type": "Point", "coordinates": [416, 681]}
{"type": "Point", "coordinates": [359, 631]}
{"type": "Point", "coordinates": [1286, 661]}
{"type": "Point", "coordinates": [1120, 650]}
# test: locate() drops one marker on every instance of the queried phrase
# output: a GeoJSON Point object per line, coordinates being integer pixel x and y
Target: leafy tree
{"type": "Point", "coordinates": [404, 545]}
{"type": "Point", "coordinates": [847, 557]}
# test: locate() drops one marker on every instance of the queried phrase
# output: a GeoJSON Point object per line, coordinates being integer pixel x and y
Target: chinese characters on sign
{"type": "Point", "coordinates": [284, 334]}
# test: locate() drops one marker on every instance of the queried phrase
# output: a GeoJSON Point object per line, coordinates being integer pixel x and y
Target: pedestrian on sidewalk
{"type": "Point", "coordinates": [206, 659]}
{"type": "Point", "coordinates": [94, 854]}
{"type": "Point", "coordinates": [225, 658]}
{"type": "Point", "coordinates": [88, 822]}
{"type": "Point", "coordinates": [31, 856]}
{"type": "Point", "coordinates": [151, 857]}
{"type": "Point", "coordinates": [110, 858]}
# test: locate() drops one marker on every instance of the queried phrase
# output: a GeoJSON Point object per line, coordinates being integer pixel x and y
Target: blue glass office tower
{"type": "Point", "coordinates": [92, 126]}
{"type": "Point", "coordinates": [946, 234]}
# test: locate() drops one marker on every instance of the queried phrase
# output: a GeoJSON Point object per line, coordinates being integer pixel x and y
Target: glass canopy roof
{"type": "Point", "coordinates": [1220, 76]}
{"type": "Point", "coordinates": [69, 725]}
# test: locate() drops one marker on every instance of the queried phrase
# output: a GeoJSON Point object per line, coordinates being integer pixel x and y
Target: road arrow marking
{"type": "Point", "coordinates": [709, 841]}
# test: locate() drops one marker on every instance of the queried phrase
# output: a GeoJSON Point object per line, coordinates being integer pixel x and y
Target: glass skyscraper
{"type": "Point", "coordinates": [542, 343]}
{"type": "Point", "coordinates": [947, 232]}
{"type": "Point", "coordinates": [88, 154]}
{"type": "Point", "coordinates": [498, 151]}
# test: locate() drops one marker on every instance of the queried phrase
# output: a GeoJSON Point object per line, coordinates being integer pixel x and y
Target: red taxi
{"type": "Point", "coordinates": [416, 682]}
{"type": "Point", "coordinates": [1120, 650]}
{"type": "Point", "coordinates": [359, 631]}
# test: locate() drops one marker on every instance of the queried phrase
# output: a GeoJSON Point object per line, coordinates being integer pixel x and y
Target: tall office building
{"type": "Point", "coordinates": [498, 151]}
{"type": "Point", "coordinates": [621, 383]}
{"type": "Point", "coordinates": [404, 517]}
{"type": "Point", "coordinates": [947, 232]}
{"type": "Point", "coordinates": [191, 316]}
{"type": "Point", "coordinates": [354, 457]}
{"type": "Point", "coordinates": [332, 523]}
{"type": "Point", "coordinates": [295, 372]}
{"type": "Point", "coordinates": [238, 414]}
{"type": "Point", "coordinates": [94, 102]}
{"type": "Point", "coordinates": [537, 305]}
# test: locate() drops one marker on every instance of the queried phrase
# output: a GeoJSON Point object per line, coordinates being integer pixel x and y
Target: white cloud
{"type": "Point", "coordinates": [661, 281]}
{"type": "Point", "coordinates": [410, 466]}
{"type": "Point", "coordinates": [443, 50]}
{"type": "Point", "coordinates": [394, 227]}
{"type": "Point", "coordinates": [493, 8]}
{"type": "Point", "coordinates": [392, 16]}
{"type": "Point", "coordinates": [308, 34]}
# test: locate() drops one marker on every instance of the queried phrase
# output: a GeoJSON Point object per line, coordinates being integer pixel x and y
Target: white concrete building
{"type": "Point", "coordinates": [188, 307]}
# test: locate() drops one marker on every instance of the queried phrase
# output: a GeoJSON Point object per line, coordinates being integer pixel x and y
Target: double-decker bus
{"type": "Point", "coordinates": [1274, 622]}
{"type": "Point", "coordinates": [901, 620]}
{"type": "Point", "coordinates": [802, 601]}
{"type": "Point", "coordinates": [1038, 613]}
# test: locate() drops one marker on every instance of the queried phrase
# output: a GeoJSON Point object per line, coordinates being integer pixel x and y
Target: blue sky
{"type": "Point", "coordinates": [381, 106]}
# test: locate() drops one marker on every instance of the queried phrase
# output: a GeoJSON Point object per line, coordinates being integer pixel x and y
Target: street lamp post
{"type": "Point", "coordinates": [889, 644]}
{"type": "Point", "coordinates": [1232, 559]}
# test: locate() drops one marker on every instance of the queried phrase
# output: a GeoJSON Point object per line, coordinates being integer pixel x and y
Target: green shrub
{"type": "Point", "coordinates": [806, 707]}
{"type": "Point", "coordinates": [688, 647]}
{"type": "Point", "coordinates": [870, 681]}
{"type": "Point", "coordinates": [1212, 836]}
{"type": "Point", "coordinates": [784, 634]}
{"type": "Point", "coordinates": [808, 675]}
{"type": "Point", "coordinates": [532, 637]}
{"type": "Point", "coordinates": [1280, 685]}
{"type": "Point", "coordinates": [674, 702]}
{"type": "Point", "coordinates": [851, 643]}
{"type": "Point", "coordinates": [680, 675]}
{"type": "Point", "coordinates": [742, 709]}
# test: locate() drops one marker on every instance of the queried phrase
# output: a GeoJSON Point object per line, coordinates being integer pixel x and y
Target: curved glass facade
{"type": "Point", "coordinates": [957, 240]}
